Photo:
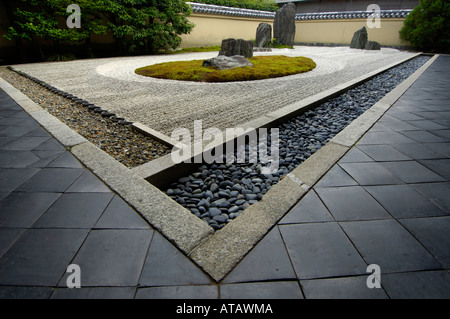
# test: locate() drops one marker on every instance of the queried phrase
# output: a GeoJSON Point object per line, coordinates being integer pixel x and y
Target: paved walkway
{"type": "Point", "coordinates": [386, 203]}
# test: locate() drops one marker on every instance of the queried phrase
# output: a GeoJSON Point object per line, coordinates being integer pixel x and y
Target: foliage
{"type": "Point", "coordinates": [264, 5]}
{"type": "Point", "coordinates": [265, 67]}
{"type": "Point", "coordinates": [427, 27]}
{"type": "Point", "coordinates": [138, 26]}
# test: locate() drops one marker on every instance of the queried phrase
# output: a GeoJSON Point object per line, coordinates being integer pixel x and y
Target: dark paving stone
{"type": "Point", "coordinates": [275, 265]}
{"type": "Point", "coordinates": [24, 143]}
{"type": "Point", "coordinates": [443, 133]}
{"type": "Point", "coordinates": [16, 292]}
{"type": "Point", "coordinates": [178, 292]}
{"type": "Point", "coordinates": [12, 178]}
{"type": "Point", "coordinates": [77, 210]}
{"type": "Point", "coordinates": [387, 244]}
{"type": "Point", "coordinates": [51, 180]}
{"type": "Point", "coordinates": [119, 214]}
{"type": "Point", "coordinates": [8, 237]}
{"type": "Point", "coordinates": [355, 155]}
{"type": "Point", "coordinates": [434, 115]}
{"type": "Point", "coordinates": [424, 137]}
{"type": "Point", "coordinates": [439, 166]}
{"type": "Point", "coordinates": [50, 145]}
{"type": "Point", "coordinates": [40, 256]}
{"type": "Point", "coordinates": [21, 210]}
{"type": "Point", "coordinates": [119, 257]}
{"type": "Point", "coordinates": [397, 125]}
{"type": "Point", "coordinates": [17, 159]}
{"type": "Point", "coordinates": [412, 172]}
{"type": "Point", "coordinates": [385, 138]}
{"type": "Point", "coordinates": [403, 201]}
{"type": "Point", "coordinates": [418, 151]}
{"type": "Point", "coordinates": [433, 233]}
{"type": "Point", "coordinates": [351, 203]}
{"type": "Point", "coordinates": [442, 148]}
{"type": "Point", "coordinates": [321, 250]}
{"type": "Point", "coordinates": [370, 174]}
{"type": "Point", "coordinates": [88, 183]}
{"type": "Point", "coordinates": [418, 285]}
{"type": "Point", "coordinates": [341, 288]}
{"type": "Point", "coordinates": [66, 160]}
{"type": "Point", "coordinates": [427, 125]}
{"type": "Point", "coordinates": [336, 176]}
{"type": "Point", "coordinates": [262, 290]}
{"type": "Point", "coordinates": [309, 209]}
{"type": "Point", "coordinates": [403, 115]}
{"type": "Point", "coordinates": [437, 193]}
{"type": "Point", "coordinates": [19, 130]}
{"type": "Point", "coordinates": [94, 293]}
{"type": "Point", "coordinates": [384, 153]}
{"type": "Point", "coordinates": [181, 272]}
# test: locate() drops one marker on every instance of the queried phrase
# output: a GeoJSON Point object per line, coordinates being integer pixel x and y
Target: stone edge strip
{"type": "Point", "coordinates": [216, 253]}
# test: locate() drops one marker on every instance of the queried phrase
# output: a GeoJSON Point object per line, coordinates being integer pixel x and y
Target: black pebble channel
{"type": "Point", "coordinates": [219, 192]}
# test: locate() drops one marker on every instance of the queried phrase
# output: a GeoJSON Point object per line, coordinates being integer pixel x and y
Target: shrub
{"type": "Point", "coordinates": [427, 27]}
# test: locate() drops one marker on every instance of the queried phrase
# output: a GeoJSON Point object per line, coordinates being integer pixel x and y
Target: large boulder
{"type": "Point", "coordinates": [263, 35]}
{"type": "Point", "coordinates": [223, 62]}
{"type": "Point", "coordinates": [284, 24]}
{"type": "Point", "coordinates": [232, 47]}
{"type": "Point", "coordinates": [360, 38]}
{"type": "Point", "coordinates": [372, 45]}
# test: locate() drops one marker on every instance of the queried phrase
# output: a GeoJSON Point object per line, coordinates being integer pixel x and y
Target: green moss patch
{"type": "Point", "coordinates": [265, 67]}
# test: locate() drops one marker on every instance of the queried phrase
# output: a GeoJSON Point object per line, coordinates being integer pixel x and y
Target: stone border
{"type": "Point", "coordinates": [217, 253]}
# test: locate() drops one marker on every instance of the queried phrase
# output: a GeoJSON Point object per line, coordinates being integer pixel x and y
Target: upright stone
{"type": "Point", "coordinates": [372, 45]}
{"type": "Point", "coordinates": [360, 38]}
{"type": "Point", "coordinates": [263, 35]}
{"type": "Point", "coordinates": [232, 47]}
{"type": "Point", "coordinates": [284, 24]}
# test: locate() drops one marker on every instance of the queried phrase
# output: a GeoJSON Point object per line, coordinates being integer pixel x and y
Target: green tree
{"type": "Point", "coordinates": [147, 26]}
{"type": "Point", "coordinates": [427, 27]}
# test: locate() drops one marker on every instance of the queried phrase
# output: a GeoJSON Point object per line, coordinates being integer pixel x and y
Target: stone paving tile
{"type": "Point", "coordinates": [17, 292]}
{"type": "Point", "coordinates": [40, 257]}
{"type": "Point", "coordinates": [336, 176]}
{"type": "Point", "coordinates": [341, 288]}
{"type": "Point", "coordinates": [309, 209]}
{"type": "Point", "coordinates": [418, 285]}
{"type": "Point", "coordinates": [433, 234]}
{"type": "Point", "coordinates": [437, 193]}
{"type": "Point", "coordinates": [412, 172]}
{"type": "Point", "coordinates": [95, 293]}
{"type": "Point", "coordinates": [351, 203]}
{"type": "Point", "coordinates": [403, 201]}
{"type": "Point", "coordinates": [439, 166]}
{"type": "Point", "coordinates": [262, 290]}
{"type": "Point", "coordinates": [383, 153]}
{"type": "Point", "coordinates": [112, 257]}
{"type": "Point", "coordinates": [320, 250]}
{"type": "Point", "coordinates": [178, 292]}
{"type": "Point", "coordinates": [370, 174]}
{"type": "Point", "coordinates": [275, 265]}
{"type": "Point", "coordinates": [387, 244]}
{"type": "Point", "coordinates": [157, 273]}
{"type": "Point", "coordinates": [51, 180]}
{"type": "Point", "coordinates": [420, 151]}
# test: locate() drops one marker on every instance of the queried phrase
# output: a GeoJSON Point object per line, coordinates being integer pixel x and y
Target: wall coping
{"type": "Point", "coordinates": [249, 13]}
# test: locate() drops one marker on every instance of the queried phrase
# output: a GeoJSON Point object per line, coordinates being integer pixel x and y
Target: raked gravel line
{"type": "Point", "coordinates": [164, 105]}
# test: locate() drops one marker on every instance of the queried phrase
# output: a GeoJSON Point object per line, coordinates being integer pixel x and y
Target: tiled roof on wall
{"type": "Point", "coordinates": [238, 12]}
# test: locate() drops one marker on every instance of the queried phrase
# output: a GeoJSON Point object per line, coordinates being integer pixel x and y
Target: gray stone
{"type": "Point", "coordinates": [284, 24]}
{"type": "Point", "coordinates": [263, 35]}
{"type": "Point", "coordinates": [231, 47]}
{"type": "Point", "coordinates": [372, 45]}
{"type": "Point", "coordinates": [227, 62]}
{"type": "Point", "coordinates": [360, 38]}
{"type": "Point", "coordinates": [214, 212]}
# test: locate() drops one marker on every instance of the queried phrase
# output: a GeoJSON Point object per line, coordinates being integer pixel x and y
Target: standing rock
{"type": "Point", "coordinates": [232, 47]}
{"type": "Point", "coordinates": [284, 24]}
{"type": "Point", "coordinates": [372, 45]}
{"type": "Point", "coordinates": [359, 39]}
{"type": "Point", "coordinates": [263, 35]}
